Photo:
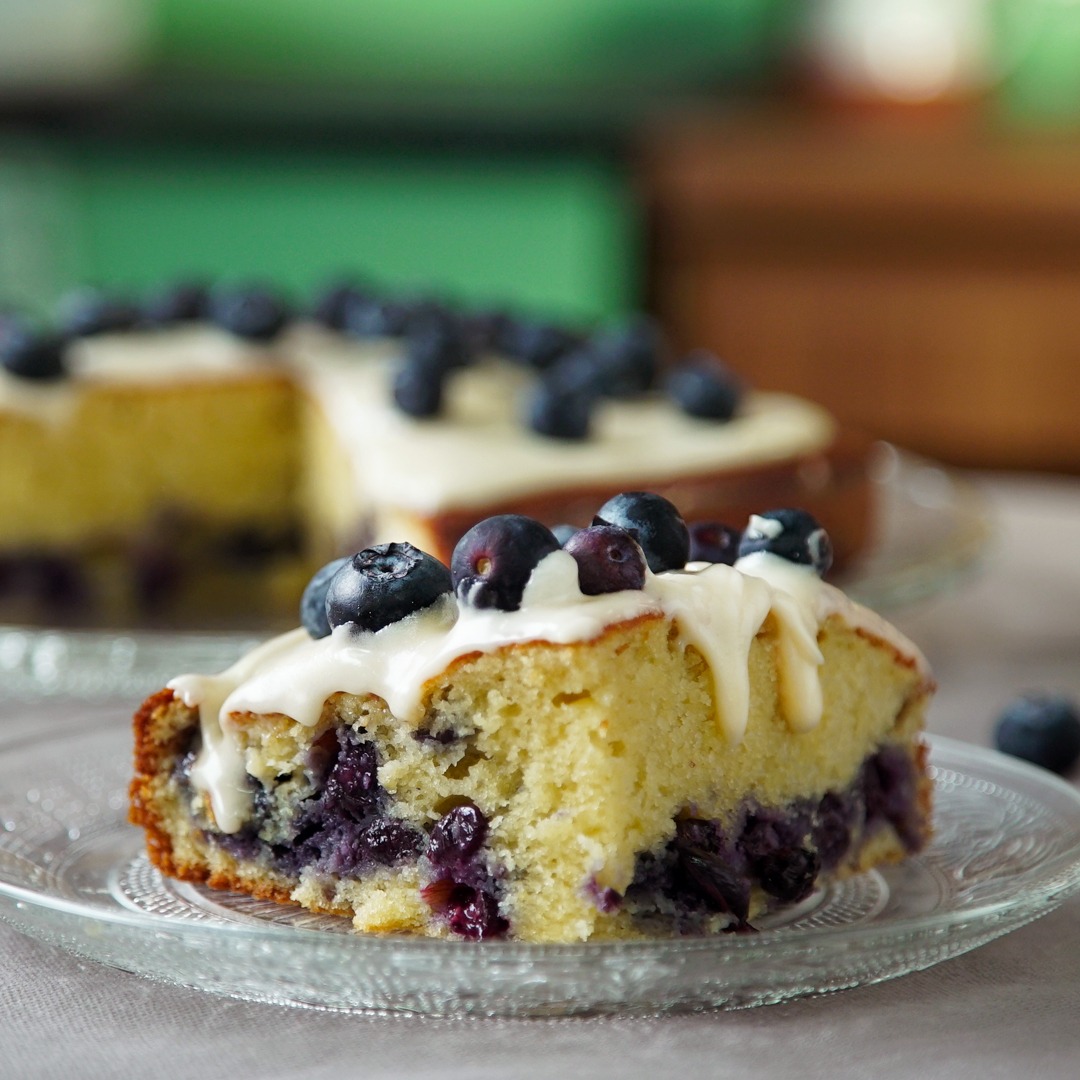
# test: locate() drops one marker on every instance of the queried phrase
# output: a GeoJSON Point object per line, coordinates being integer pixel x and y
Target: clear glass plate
{"type": "Point", "coordinates": [73, 873]}
{"type": "Point", "coordinates": [933, 527]}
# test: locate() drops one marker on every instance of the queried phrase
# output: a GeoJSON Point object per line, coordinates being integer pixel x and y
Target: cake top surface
{"type": "Point", "coordinates": [476, 449]}
{"type": "Point", "coordinates": [718, 608]}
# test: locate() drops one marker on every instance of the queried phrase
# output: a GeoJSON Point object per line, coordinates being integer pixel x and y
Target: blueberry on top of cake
{"type": "Point", "coordinates": [550, 743]}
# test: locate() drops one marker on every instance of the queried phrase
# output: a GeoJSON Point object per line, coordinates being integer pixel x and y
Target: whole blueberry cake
{"type": "Point", "coordinates": [643, 729]}
{"type": "Point", "coordinates": [207, 449]}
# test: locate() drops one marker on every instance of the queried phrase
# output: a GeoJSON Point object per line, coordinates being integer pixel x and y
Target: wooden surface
{"type": "Point", "coordinates": [921, 280]}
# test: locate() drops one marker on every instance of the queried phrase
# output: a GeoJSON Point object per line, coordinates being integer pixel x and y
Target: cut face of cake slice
{"type": "Point", "coordinates": [498, 753]}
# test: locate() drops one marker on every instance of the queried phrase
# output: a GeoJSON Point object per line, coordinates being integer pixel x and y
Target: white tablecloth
{"type": "Point", "coordinates": [1008, 1009]}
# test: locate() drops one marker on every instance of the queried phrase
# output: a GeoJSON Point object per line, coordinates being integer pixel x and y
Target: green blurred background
{"type": "Point", "coordinates": [479, 147]}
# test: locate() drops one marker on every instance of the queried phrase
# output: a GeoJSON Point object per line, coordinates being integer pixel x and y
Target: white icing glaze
{"type": "Point", "coordinates": [719, 609]}
{"type": "Point", "coordinates": [479, 450]}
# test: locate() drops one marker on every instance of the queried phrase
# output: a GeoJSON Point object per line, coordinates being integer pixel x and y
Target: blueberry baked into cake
{"type": "Point", "coordinates": [643, 729]}
{"type": "Point", "coordinates": [204, 451]}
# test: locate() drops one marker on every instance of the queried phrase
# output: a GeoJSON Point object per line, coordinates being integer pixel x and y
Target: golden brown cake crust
{"type": "Point", "coordinates": [833, 485]}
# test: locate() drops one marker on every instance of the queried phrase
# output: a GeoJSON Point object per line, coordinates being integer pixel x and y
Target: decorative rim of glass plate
{"type": "Point", "coordinates": [934, 528]}
{"type": "Point", "coordinates": [73, 873]}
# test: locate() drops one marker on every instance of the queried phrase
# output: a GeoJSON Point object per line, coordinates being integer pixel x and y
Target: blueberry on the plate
{"type": "Point", "coordinates": [713, 542]}
{"type": "Point", "coordinates": [253, 312]}
{"type": "Point", "coordinates": [86, 312]}
{"type": "Point", "coordinates": [794, 535]}
{"type": "Point", "coordinates": [187, 301]}
{"type": "Point", "coordinates": [313, 602]}
{"type": "Point", "coordinates": [654, 523]}
{"type": "Point", "coordinates": [418, 389]}
{"type": "Point", "coordinates": [381, 585]}
{"type": "Point", "coordinates": [558, 415]}
{"type": "Point", "coordinates": [563, 532]}
{"type": "Point", "coordinates": [493, 561]}
{"type": "Point", "coordinates": [1041, 728]}
{"type": "Point", "coordinates": [29, 354]}
{"type": "Point", "coordinates": [609, 560]}
{"type": "Point", "coordinates": [702, 385]}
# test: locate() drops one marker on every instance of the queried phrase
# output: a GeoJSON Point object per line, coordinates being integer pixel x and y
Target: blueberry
{"type": "Point", "coordinates": [558, 415]}
{"type": "Point", "coordinates": [1041, 728]}
{"type": "Point", "coordinates": [476, 917]}
{"type": "Point", "coordinates": [493, 561]}
{"type": "Point", "coordinates": [185, 302]}
{"type": "Point", "coordinates": [381, 585]}
{"type": "Point", "coordinates": [654, 523]}
{"type": "Point", "coordinates": [87, 312]}
{"type": "Point", "coordinates": [437, 339]}
{"type": "Point", "coordinates": [31, 355]}
{"type": "Point", "coordinates": [373, 317]}
{"type": "Point", "coordinates": [832, 828]}
{"type": "Point", "coordinates": [470, 912]}
{"type": "Point", "coordinates": [789, 873]}
{"type": "Point", "coordinates": [794, 535]}
{"type": "Point", "coordinates": [703, 386]}
{"type": "Point", "coordinates": [484, 330]}
{"type": "Point", "coordinates": [577, 372]}
{"type": "Point", "coordinates": [537, 344]}
{"type": "Point", "coordinates": [418, 389]}
{"type": "Point", "coordinates": [333, 302]}
{"type": "Point", "coordinates": [628, 357]}
{"type": "Point", "coordinates": [562, 533]}
{"type": "Point", "coordinates": [457, 835]}
{"type": "Point", "coordinates": [253, 313]}
{"type": "Point", "coordinates": [713, 542]}
{"type": "Point", "coordinates": [713, 877]}
{"type": "Point", "coordinates": [313, 602]}
{"type": "Point", "coordinates": [609, 560]}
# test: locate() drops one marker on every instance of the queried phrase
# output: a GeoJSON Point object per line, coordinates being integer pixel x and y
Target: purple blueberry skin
{"type": "Point", "coordinates": [558, 414]}
{"type": "Point", "coordinates": [253, 313]}
{"type": "Point", "coordinates": [383, 584]}
{"type": "Point", "coordinates": [457, 836]}
{"type": "Point", "coordinates": [654, 523]}
{"type": "Point", "coordinates": [537, 344]}
{"type": "Point", "coordinates": [313, 602]}
{"type": "Point", "coordinates": [418, 389]}
{"type": "Point", "coordinates": [712, 542]}
{"type": "Point", "coordinates": [609, 560]}
{"type": "Point", "coordinates": [184, 302]}
{"type": "Point", "coordinates": [493, 561]}
{"type": "Point", "coordinates": [800, 539]}
{"type": "Point", "coordinates": [628, 357]}
{"type": "Point", "coordinates": [30, 355]}
{"type": "Point", "coordinates": [702, 386]}
{"type": "Point", "coordinates": [1041, 728]}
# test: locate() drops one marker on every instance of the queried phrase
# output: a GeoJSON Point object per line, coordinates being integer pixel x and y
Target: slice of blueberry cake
{"type": "Point", "coordinates": [280, 436]}
{"type": "Point", "coordinates": [637, 731]}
